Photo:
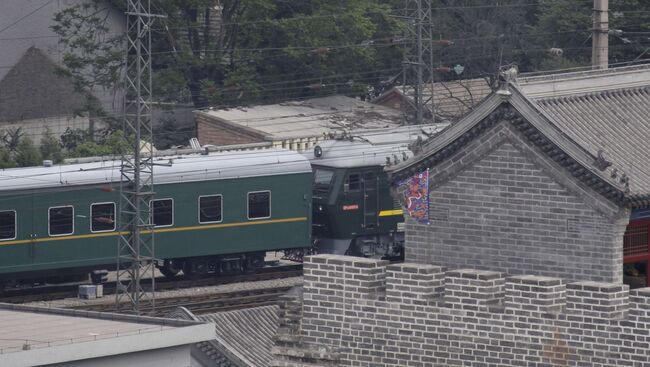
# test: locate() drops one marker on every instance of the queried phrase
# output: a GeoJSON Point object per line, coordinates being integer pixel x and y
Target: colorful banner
{"type": "Point", "coordinates": [416, 196]}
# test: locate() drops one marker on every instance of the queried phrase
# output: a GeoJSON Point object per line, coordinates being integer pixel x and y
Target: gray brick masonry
{"type": "Point", "coordinates": [502, 205]}
{"type": "Point", "coordinates": [374, 314]}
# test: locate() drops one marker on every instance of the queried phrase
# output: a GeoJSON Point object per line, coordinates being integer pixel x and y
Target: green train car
{"type": "Point", "coordinates": [212, 213]}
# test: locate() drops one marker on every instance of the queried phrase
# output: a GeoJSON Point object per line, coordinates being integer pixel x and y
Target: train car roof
{"type": "Point", "coordinates": [168, 169]}
{"type": "Point", "coordinates": [348, 154]}
{"type": "Point", "coordinates": [378, 148]}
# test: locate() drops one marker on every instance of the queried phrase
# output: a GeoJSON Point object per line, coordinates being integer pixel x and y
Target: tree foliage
{"type": "Point", "coordinates": [26, 154]}
{"type": "Point", "coordinates": [236, 52]}
{"type": "Point", "coordinates": [51, 148]}
{"type": "Point", "coordinates": [93, 54]}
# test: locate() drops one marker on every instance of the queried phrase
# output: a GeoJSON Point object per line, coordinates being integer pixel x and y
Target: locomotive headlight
{"type": "Point", "coordinates": [320, 208]}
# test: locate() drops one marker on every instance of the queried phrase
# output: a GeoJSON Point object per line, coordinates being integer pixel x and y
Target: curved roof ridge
{"type": "Point", "coordinates": [609, 92]}
{"type": "Point", "coordinates": [512, 105]}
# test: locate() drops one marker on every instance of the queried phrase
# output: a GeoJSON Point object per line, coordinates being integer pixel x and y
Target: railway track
{"type": "Point", "coordinates": [50, 293]}
{"type": "Point", "coordinates": [202, 304]}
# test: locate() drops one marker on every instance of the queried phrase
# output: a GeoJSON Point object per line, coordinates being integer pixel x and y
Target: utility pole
{"type": "Point", "coordinates": [418, 58]}
{"type": "Point", "coordinates": [135, 250]}
{"type": "Point", "coordinates": [600, 34]}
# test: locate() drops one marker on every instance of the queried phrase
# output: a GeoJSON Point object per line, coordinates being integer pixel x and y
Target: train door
{"type": "Point", "coordinates": [32, 230]}
{"type": "Point", "coordinates": [370, 199]}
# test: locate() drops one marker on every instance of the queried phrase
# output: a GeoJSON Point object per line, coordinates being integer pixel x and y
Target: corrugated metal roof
{"type": "Point", "coordinates": [310, 118]}
{"type": "Point", "coordinates": [172, 169]}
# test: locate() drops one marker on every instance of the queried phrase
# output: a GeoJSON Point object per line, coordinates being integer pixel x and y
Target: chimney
{"type": "Point", "coordinates": [600, 42]}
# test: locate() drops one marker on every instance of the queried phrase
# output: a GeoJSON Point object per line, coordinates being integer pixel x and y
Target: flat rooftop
{"type": "Point", "coordinates": [309, 118]}
{"type": "Point", "coordinates": [39, 330]}
{"type": "Point", "coordinates": [38, 335]}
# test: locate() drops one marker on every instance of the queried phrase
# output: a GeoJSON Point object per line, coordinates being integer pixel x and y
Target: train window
{"type": "Point", "coordinates": [210, 209]}
{"type": "Point", "coordinates": [322, 180]}
{"type": "Point", "coordinates": [102, 217]}
{"type": "Point", "coordinates": [7, 225]}
{"type": "Point", "coordinates": [162, 212]}
{"type": "Point", "coordinates": [323, 177]}
{"type": "Point", "coordinates": [259, 204]}
{"type": "Point", "coordinates": [353, 182]}
{"type": "Point", "coordinates": [61, 220]}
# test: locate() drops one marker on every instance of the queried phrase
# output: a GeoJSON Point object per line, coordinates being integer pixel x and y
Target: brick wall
{"type": "Point", "coordinates": [375, 314]}
{"type": "Point", "coordinates": [500, 204]}
{"type": "Point", "coordinates": [211, 131]}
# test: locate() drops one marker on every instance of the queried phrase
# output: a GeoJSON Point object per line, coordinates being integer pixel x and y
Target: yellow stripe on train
{"type": "Point", "coordinates": [158, 230]}
{"type": "Point", "coordinates": [386, 213]}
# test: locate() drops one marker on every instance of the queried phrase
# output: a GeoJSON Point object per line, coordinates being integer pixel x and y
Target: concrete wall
{"type": "Point", "coordinates": [167, 357]}
{"type": "Point", "coordinates": [375, 314]}
{"type": "Point", "coordinates": [32, 29]}
{"type": "Point", "coordinates": [500, 204]}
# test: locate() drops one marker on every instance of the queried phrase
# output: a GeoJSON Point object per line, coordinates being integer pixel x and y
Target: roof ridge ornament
{"type": "Point", "coordinates": [506, 77]}
{"type": "Point", "coordinates": [602, 161]}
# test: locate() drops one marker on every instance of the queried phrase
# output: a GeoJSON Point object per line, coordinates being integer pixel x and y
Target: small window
{"type": "Point", "coordinates": [102, 217]}
{"type": "Point", "coordinates": [323, 177]}
{"type": "Point", "coordinates": [322, 180]}
{"type": "Point", "coordinates": [353, 182]}
{"type": "Point", "coordinates": [259, 204]}
{"type": "Point", "coordinates": [61, 219]}
{"type": "Point", "coordinates": [162, 212]}
{"type": "Point", "coordinates": [210, 209]}
{"type": "Point", "coordinates": [7, 225]}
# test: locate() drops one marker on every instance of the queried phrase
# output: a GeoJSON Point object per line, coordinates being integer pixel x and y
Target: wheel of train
{"type": "Point", "coordinates": [212, 265]}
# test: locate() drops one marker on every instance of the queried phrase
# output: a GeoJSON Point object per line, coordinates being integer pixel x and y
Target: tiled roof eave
{"type": "Point", "coordinates": [639, 201]}
{"type": "Point", "coordinates": [573, 159]}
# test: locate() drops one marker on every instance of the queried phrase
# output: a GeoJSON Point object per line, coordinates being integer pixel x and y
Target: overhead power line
{"type": "Point", "coordinates": [25, 16]}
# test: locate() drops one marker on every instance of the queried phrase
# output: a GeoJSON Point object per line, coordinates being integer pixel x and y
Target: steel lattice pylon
{"type": "Point", "coordinates": [136, 256]}
{"type": "Point", "coordinates": [418, 58]}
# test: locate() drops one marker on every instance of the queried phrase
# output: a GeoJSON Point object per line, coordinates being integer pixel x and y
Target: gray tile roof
{"type": "Point", "coordinates": [32, 90]}
{"type": "Point", "coordinates": [589, 117]}
{"type": "Point", "coordinates": [616, 122]}
{"type": "Point", "coordinates": [243, 338]}
{"type": "Point", "coordinates": [246, 333]}
{"type": "Point", "coordinates": [452, 99]}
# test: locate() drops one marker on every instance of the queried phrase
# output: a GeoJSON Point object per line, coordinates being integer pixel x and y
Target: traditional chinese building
{"type": "Point", "coordinates": [543, 182]}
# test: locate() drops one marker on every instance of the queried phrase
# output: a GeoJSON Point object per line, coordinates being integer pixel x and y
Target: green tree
{"type": "Point", "coordinates": [256, 51]}
{"type": "Point", "coordinates": [169, 134]}
{"type": "Point", "coordinates": [6, 159]}
{"type": "Point", "coordinates": [93, 54]}
{"type": "Point", "coordinates": [26, 153]}
{"type": "Point", "coordinates": [567, 25]}
{"type": "Point", "coordinates": [51, 148]}
{"type": "Point", "coordinates": [112, 144]}
{"type": "Point", "coordinates": [72, 138]}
